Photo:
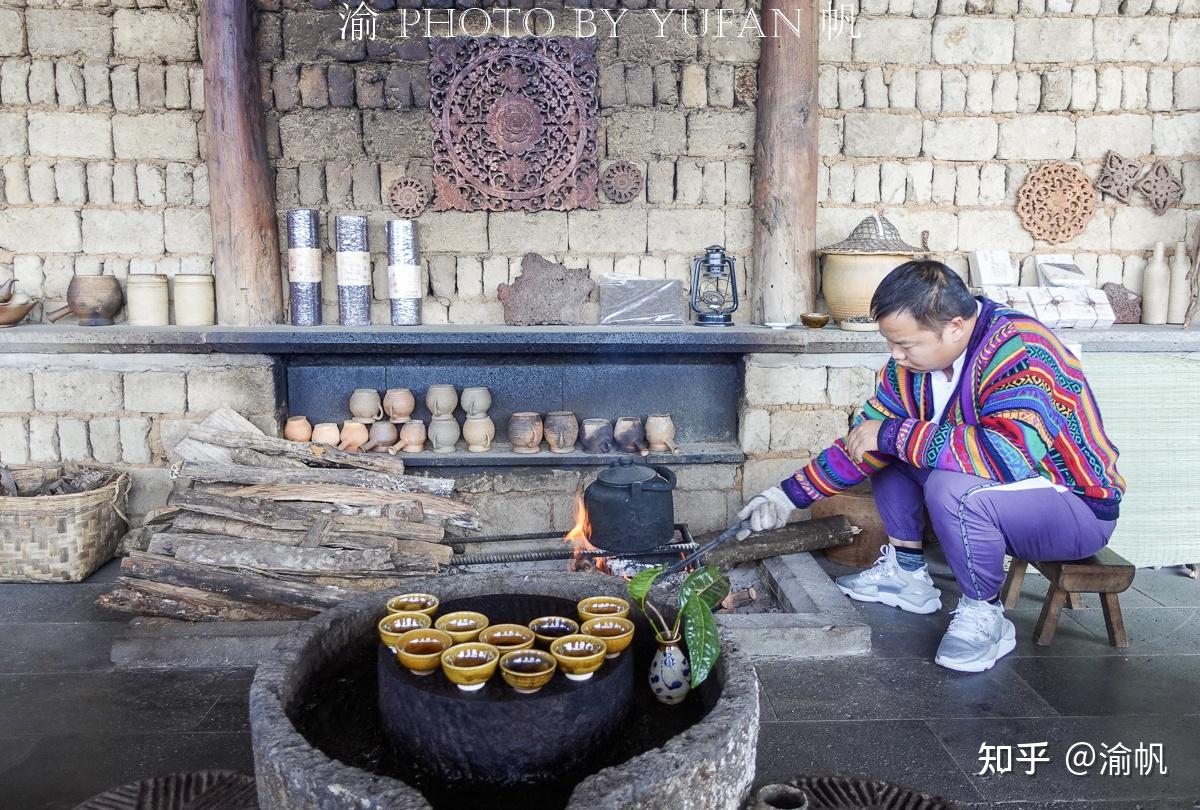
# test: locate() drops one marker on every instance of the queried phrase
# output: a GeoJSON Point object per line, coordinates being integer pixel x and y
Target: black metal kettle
{"type": "Point", "coordinates": [630, 507]}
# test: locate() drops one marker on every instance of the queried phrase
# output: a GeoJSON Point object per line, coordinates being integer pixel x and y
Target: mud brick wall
{"type": "Point", "coordinates": [125, 410]}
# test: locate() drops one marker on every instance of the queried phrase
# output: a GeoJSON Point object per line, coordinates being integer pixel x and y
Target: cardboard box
{"type": "Point", "coordinates": [992, 268]}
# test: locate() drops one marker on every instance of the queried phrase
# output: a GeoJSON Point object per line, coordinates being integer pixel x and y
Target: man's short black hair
{"type": "Point", "coordinates": [929, 291]}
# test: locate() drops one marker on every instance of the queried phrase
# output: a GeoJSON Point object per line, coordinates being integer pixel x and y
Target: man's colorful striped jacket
{"type": "Point", "coordinates": [1022, 409]}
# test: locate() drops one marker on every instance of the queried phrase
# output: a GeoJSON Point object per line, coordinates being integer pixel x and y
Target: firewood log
{"type": "Point", "coordinates": [808, 535]}
{"type": "Point", "coordinates": [309, 453]}
{"type": "Point", "coordinates": [236, 474]}
{"type": "Point", "coordinates": [148, 598]}
{"type": "Point", "coordinates": [233, 552]}
{"type": "Point", "coordinates": [454, 512]}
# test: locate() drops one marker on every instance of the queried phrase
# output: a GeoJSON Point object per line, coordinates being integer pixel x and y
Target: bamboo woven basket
{"type": "Point", "coordinates": [60, 538]}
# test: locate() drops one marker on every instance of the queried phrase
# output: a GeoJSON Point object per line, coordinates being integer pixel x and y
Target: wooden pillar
{"type": "Point", "coordinates": [241, 184]}
{"type": "Point", "coordinates": [785, 164]}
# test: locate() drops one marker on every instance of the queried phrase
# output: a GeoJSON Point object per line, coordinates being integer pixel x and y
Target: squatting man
{"type": "Point", "coordinates": [984, 420]}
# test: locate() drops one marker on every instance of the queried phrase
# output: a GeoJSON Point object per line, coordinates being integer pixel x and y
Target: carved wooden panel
{"type": "Point", "coordinates": [514, 123]}
{"type": "Point", "coordinates": [1056, 202]}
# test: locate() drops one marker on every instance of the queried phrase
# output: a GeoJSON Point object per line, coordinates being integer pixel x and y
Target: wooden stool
{"type": "Point", "coordinates": [1105, 573]}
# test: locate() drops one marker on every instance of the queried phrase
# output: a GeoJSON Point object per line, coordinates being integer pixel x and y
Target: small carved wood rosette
{"type": "Point", "coordinates": [1118, 176]}
{"type": "Point", "coordinates": [1160, 187]}
{"type": "Point", "coordinates": [514, 123]}
{"type": "Point", "coordinates": [1056, 202]}
{"type": "Point", "coordinates": [408, 197]}
{"type": "Point", "coordinates": [622, 182]}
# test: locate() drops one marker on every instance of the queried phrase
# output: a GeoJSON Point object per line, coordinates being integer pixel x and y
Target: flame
{"type": "Point", "coordinates": [580, 537]}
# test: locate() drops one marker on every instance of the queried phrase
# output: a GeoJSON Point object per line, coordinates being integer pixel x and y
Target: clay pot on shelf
{"type": "Point", "coordinates": [398, 404]}
{"type": "Point", "coordinates": [444, 433]}
{"type": "Point", "coordinates": [630, 435]}
{"type": "Point", "coordinates": [195, 300]}
{"type": "Point", "coordinates": [441, 400]}
{"type": "Point", "coordinates": [297, 429]}
{"type": "Point", "coordinates": [326, 433]}
{"type": "Point", "coordinates": [476, 401]}
{"type": "Point", "coordinates": [525, 432]}
{"type": "Point", "coordinates": [562, 429]}
{"type": "Point", "coordinates": [365, 406]}
{"type": "Point", "coordinates": [146, 300]}
{"type": "Point", "coordinates": [479, 431]}
{"type": "Point", "coordinates": [412, 437]}
{"type": "Point", "coordinates": [383, 434]}
{"type": "Point", "coordinates": [597, 436]}
{"type": "Point", "coordinates": [92, 299]}
{"type": "Point", "coordinates": [854, 267]}
{"type": "Point", "coordinates": [660, 433]}
{"type": "Point", "coordinates": [354, 436]}
{"type": "Point", "coordinates": [15, 309]}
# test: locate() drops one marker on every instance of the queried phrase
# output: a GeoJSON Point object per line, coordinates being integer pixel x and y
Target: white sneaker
{"type": "Point", "coordinates": [889, 584]}
{"type": "Point", "coordinates": [978, 636]}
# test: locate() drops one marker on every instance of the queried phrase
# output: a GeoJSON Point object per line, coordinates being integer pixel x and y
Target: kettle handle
{"type": "Point", "coordinates": [660, 486]}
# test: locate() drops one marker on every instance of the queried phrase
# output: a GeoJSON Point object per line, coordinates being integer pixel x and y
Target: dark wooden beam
{"type": "Point", "coordinates": [785, 164]}
{"type": "Point", "coordinates": [241, 183]}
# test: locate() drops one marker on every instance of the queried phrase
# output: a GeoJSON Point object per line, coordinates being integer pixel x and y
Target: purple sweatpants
{"type": "Point", "coordinates": [978, 521]}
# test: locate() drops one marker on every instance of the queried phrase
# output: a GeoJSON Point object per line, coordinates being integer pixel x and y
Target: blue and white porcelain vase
{"type": "Point", "coordinates": [670, 672]}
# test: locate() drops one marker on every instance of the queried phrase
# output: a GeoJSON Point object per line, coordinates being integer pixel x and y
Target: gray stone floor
{"type": "Point", "coordinates": [72, 725]}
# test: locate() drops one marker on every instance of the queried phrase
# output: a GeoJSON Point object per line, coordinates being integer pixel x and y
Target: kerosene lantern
{"type": "Point", "coordinates": [714, 288]}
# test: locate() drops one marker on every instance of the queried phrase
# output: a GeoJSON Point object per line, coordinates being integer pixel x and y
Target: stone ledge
{"type": "Point", "coordinates": [498, 339]}
{"type": "Point", "coordinates": [501, 456]}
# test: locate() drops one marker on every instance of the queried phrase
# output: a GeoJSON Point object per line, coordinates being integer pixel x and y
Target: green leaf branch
{"type": "Point", "coordinates": [700, 593]}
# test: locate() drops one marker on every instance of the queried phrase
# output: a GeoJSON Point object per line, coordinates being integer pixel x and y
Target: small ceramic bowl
{"type": "Point", "coordinates": [462, 625]}
{"type": "Point", "coordinates": [579, 655]}
{"type": "Point", "coordinates": [547, 628]}
{"type": "Point", "coordinates": [469, 666]}
{"type": "Point", "coordinates": [814, 320]}
{"type": "Point", "coordinates": [420, 651]}
{"type": "Point", "coordinates": [595, 607]}
{"type": "Point", "coordinates": [616, 632]}
{"type": "Point", "coordinates": [527, 671]}
{"type": "Point", "coordinates": [394, 625]}
{"type": "Point", "coordinates": [507, 637]}
{"type": "Point", "coordinates": [425, 603]}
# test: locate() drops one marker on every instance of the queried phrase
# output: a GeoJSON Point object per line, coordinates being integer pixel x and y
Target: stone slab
{"type": "Point", "coordinates": [163, 644]}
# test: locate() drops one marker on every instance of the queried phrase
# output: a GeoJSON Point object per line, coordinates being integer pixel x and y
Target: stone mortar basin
{"type": "Point", "coordinates": [707, 763]}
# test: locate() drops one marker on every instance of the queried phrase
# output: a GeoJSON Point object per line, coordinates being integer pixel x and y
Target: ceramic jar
{"type": "Point", "coordinates": [365, 406]}
{"type": "Point", "coordinates": [1156, 287]}
{"type": "Point", "coordinates": [562, 429]}
{"type": "Point", "coordinates": [441, 401]}
{"type": "Point", "coordinates": [383, 435]}
{"type": "Point", "coordinates": [476, 401]}
{"type": "Point", "coordinates": [597, 436]}
{"type": "Point", "coordinates": [479, 431]}
{"type": "Point", "coordinates": [670, 672]}
{"type": "Point", "coordinates": [412, 437]}
{"type": "Point", "coordinates": [849, 280]}
{"type": "Point", "coordinates": [326, 433]}
{"type": "Point", "coordinates": [95, 300]}
{"type": "Point", "coordinates": [525, 432]}
{"type": "Point", "coordinates": [297, 429]}
{"type": "Point", "coordinates": [443, 434]}
{"type": "Point", "coordinates": [398, 404]}
{"type": "Point", "coordinates": [146, 300]}
{"type": "Point", "coordinates": [1180, 297]}
{"type": "Point", "coordinates": [660, 433]}
{"type": "Point", "coordinates": [195, 300]}
{"type": "Point", "coordinates": [354, 435]}
{"type": "Point", "coordinates": [630, 435]}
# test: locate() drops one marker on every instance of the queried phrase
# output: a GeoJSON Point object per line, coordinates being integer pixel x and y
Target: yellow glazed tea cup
{"type": "Point", "coordinates": [616, 632]}
{"type": "Point", "coordinates": [469, 666]}
{"type": "Point", "coordinates": [507, 637]}
{"type": "Point", "coordinates": [420, 651]}
{"type": "Point", "coordinates": [394, 625]}
{"type": "Point", "coordinates": [527, 671]}
{"type": "Point", "coordinates": [595, 607]}
{"type": "Point", "coordinates": [548, 628]}
{"type": "Point", "coordinates": [462, 625]}
{"type": "Point", "coordinates": [425, 603]}
{"type": "Point", "coordinates": [578, 655]}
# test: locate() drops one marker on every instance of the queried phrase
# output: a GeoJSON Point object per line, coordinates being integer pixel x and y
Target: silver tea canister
{"type": "Point", "coordinates": [404, 272]}
{"type": "Point", "coordinates": [146, 300]}
{"type": "Point", "coordinates": [304, 267]}
{"type": "Point", "coordinates": [353, 270]}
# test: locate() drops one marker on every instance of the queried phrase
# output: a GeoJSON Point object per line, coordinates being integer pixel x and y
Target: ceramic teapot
{"type": "Point", "coordinates": [630, 506]}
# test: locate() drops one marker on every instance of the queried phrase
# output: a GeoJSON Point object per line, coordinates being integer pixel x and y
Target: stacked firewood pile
{"type": "Point", "coordinates": [274, 529]}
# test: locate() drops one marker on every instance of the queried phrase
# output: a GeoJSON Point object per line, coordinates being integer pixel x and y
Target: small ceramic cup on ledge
{"type": "Point", "coordinates": [326, 433]}
{"type": "Point", "coordinates": [398, 404]}
{"type": "Point", "coordinates": [525, 432]}
{"type": "Point", "coordinates": [365, 406]}
{"type": "Point", "coordinates": [354, 436]}
{"type": "Point", "coordinates": [562, 429]}
{"type": "Point", "coordinates": [297, 429]}
{"type": "Point", "coordinates": [597, 436]}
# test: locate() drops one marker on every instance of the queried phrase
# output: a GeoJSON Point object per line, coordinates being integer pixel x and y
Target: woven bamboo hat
{"type": "Point", "coordinates": [874, 235]}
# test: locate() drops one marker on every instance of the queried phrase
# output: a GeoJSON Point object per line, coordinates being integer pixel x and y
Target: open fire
{"type": "Point", "coordinates": [580, 537]}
